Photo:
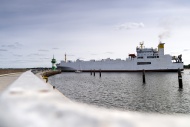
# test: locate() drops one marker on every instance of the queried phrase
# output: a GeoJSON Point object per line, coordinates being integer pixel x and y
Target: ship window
{"type": "Point", "coordinates": [150, 56]}
{"type": "Point", "coordinates": [140, 57]}
{"type": "Point", "coordinates": [143, 63]}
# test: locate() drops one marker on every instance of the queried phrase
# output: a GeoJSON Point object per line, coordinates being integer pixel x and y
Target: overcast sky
{"type": "Point", "coordinates": [32, 31]}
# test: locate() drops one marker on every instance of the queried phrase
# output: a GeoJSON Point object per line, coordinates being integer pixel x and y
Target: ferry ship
{"type": "Point", "coordinates": [147, 59]}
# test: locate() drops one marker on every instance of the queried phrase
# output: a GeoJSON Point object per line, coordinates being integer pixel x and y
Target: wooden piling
{"type": "Point", "coordinates": [94, 72]}
{"type": "Point", "coordinates": [91, 72]}
{"type": "Point", "coordinates": [100, 73]}
{"type": "Point", "coordinates": [46, 79]}
{"type": "Point", "coordinates": [144, 81]}
{"type": "Point", "coordinates": [180, 79]}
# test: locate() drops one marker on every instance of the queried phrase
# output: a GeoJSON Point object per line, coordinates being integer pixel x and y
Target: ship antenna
{"type": "Point", "coordinates": [141, 44]}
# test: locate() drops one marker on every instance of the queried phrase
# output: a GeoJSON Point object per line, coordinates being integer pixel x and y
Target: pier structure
{"type": "Point", "coordinates": [144, 79]}
{"type": "Point", "coordinates": [180, 79]}
{"type": "Point", "coordinates": [29, 101]}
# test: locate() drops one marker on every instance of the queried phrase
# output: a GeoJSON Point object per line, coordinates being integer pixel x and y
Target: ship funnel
{"type": "Point", "coordinates": [161, 45]}
{"type": "Point", "coordinates": [161, 48]}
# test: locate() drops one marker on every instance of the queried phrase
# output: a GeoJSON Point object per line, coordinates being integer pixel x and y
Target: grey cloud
{"type": "Point", "coordinates": [8, 46]}
{"type": "Point", "coordinates": [36, 54]}
{"type": "Point", "coordinates": [26, 61]}
{"type": "Point", "coordinates": [102, 53]}
{"type": "Point", "coordinates": [45, 58]}
{"type": "Point", "coordinates": [14, 45]}
{"type": "Point", "coordinates": [130, 25]}
{"type": "Point", "coordinates": [43, 50]}
{"type": "Point", "coordinates": [186, 50]}
{"type": "Point", "coordinates": [55, 48]}
{"type": "Point", "coordinates": [169, 22]}
{"type": "Point", "coordinates": [93, 54]}
{"type": "Point", "coordinates": [20, 61]}
{"type": "Point", "coordinates": [22, 8]}
{"type": "Point", "coordinates": [17, 44]}
{"type": "Point", "coordinates": [3, 50]}
{"type": "Point", "coordinates": [70, 55]}
{"type": "Point", "coordinates": [17, 55]}
{"type": "Point", "coordinates": [109, 53]}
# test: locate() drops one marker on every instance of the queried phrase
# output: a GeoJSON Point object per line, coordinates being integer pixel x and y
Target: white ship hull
{"type": "Point", "coordinates": [156, 62]}
{"type": "Point", "coordinates": [120, 65]}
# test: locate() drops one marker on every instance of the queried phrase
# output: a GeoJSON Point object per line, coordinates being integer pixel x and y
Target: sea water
{"type": "Point", "coordinates": [126, 91]}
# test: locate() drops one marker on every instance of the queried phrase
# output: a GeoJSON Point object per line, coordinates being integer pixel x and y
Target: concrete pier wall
{"type": "Point", "coordinates": [30, 102]}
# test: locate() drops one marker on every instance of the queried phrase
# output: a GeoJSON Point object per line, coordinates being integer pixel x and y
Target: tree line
{"type": "Point", "coordinates": [187, 66]}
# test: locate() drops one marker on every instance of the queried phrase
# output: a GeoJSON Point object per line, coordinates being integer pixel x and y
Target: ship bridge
{"type": "Point", "coordinates": [143, 52]}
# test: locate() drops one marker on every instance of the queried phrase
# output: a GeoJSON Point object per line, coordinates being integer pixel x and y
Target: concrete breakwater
{"type": "Point", "coordinates": [7, 71]}
{"type": "Point", "coordinates": [50, 73]}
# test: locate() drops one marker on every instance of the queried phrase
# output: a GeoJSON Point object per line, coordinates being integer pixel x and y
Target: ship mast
{"type": "Point", "coordinates": [65, 57]}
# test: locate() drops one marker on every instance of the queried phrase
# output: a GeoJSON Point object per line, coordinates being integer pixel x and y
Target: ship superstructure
{"type": "Point", "coordinates": [148, 59]}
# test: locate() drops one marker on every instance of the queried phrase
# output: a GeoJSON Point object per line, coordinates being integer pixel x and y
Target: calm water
{"type": "Point", "coordinates": [125, 91]}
